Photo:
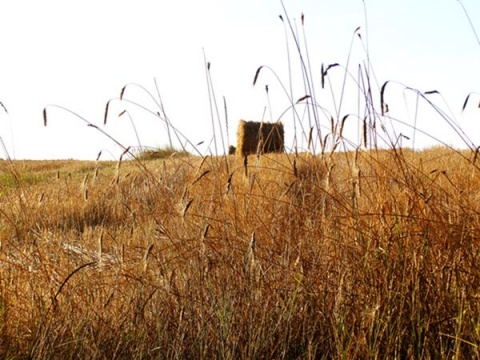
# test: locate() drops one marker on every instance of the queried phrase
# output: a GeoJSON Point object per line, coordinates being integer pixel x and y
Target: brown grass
{"type": "Point", "coordinates": [357, 255]}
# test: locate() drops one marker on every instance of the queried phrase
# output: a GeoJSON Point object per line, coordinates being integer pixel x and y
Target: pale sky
{"type": "Point", "coordinates": [78, 55]}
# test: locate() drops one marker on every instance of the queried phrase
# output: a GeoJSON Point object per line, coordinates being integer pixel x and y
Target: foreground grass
{"type": "Point", "coordinates": [357, 255]}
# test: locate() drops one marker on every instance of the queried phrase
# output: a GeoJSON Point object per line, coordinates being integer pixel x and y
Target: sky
{"type": "Point", "coordinates": [73, 57]}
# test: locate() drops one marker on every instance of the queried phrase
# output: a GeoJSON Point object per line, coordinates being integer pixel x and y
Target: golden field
{"type": "Point", "coordinates": [367, 254]}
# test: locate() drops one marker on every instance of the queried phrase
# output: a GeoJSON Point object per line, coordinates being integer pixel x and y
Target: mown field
{"type": "Point", "coordinates": [367, 254]}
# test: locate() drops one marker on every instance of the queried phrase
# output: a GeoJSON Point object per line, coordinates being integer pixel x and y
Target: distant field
{"type": "Point", "coordinates": [355, 255]}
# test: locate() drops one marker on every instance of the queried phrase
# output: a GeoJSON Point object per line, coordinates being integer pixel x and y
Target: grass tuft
{"type": "Point", "coordinates": [160, 153]}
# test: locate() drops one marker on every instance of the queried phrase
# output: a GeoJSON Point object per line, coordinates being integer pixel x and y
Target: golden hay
{"type": "Point", "coordinates": [259, 137]}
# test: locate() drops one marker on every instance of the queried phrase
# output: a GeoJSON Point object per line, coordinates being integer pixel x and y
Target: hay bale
{"type": "Point", "coordinates": [259, 137]}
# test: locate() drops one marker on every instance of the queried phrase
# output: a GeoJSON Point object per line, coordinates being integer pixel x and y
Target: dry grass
{"type": "Point", "coordinates": [356, 255]}
{"type": "Point", "coordinates": [347, 255]}
{"type": "Point", "coordinates": [159, 153]}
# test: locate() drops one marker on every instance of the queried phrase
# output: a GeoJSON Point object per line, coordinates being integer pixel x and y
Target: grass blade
{"type": "Point", "coordinates": [382, 98]}
{"type": "Point", "coordinates": [466, 102]}
{"type": "Point", "coordinates": [323, 76]}
{"type": "Point", "coordinates": [303, 98]}
{"type": "Point", "coordinates": [256, 75]}
{"type": "Point", "coordinates": [3, 106]}
{"type": "Point", "coordinates": [106, 112]}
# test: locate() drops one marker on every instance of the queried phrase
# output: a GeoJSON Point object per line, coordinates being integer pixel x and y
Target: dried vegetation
{"type": "Point", "coordinates": [355, 255]}
{"type": "Point", "coordinates": [350, 254]}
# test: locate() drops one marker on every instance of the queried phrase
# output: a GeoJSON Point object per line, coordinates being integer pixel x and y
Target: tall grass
{"type": "Point", "coordinates": [368, 252]}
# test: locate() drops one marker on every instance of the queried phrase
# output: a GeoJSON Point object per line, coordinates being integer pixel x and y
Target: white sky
{"type": "Point", "coordinates": [79, 54]}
